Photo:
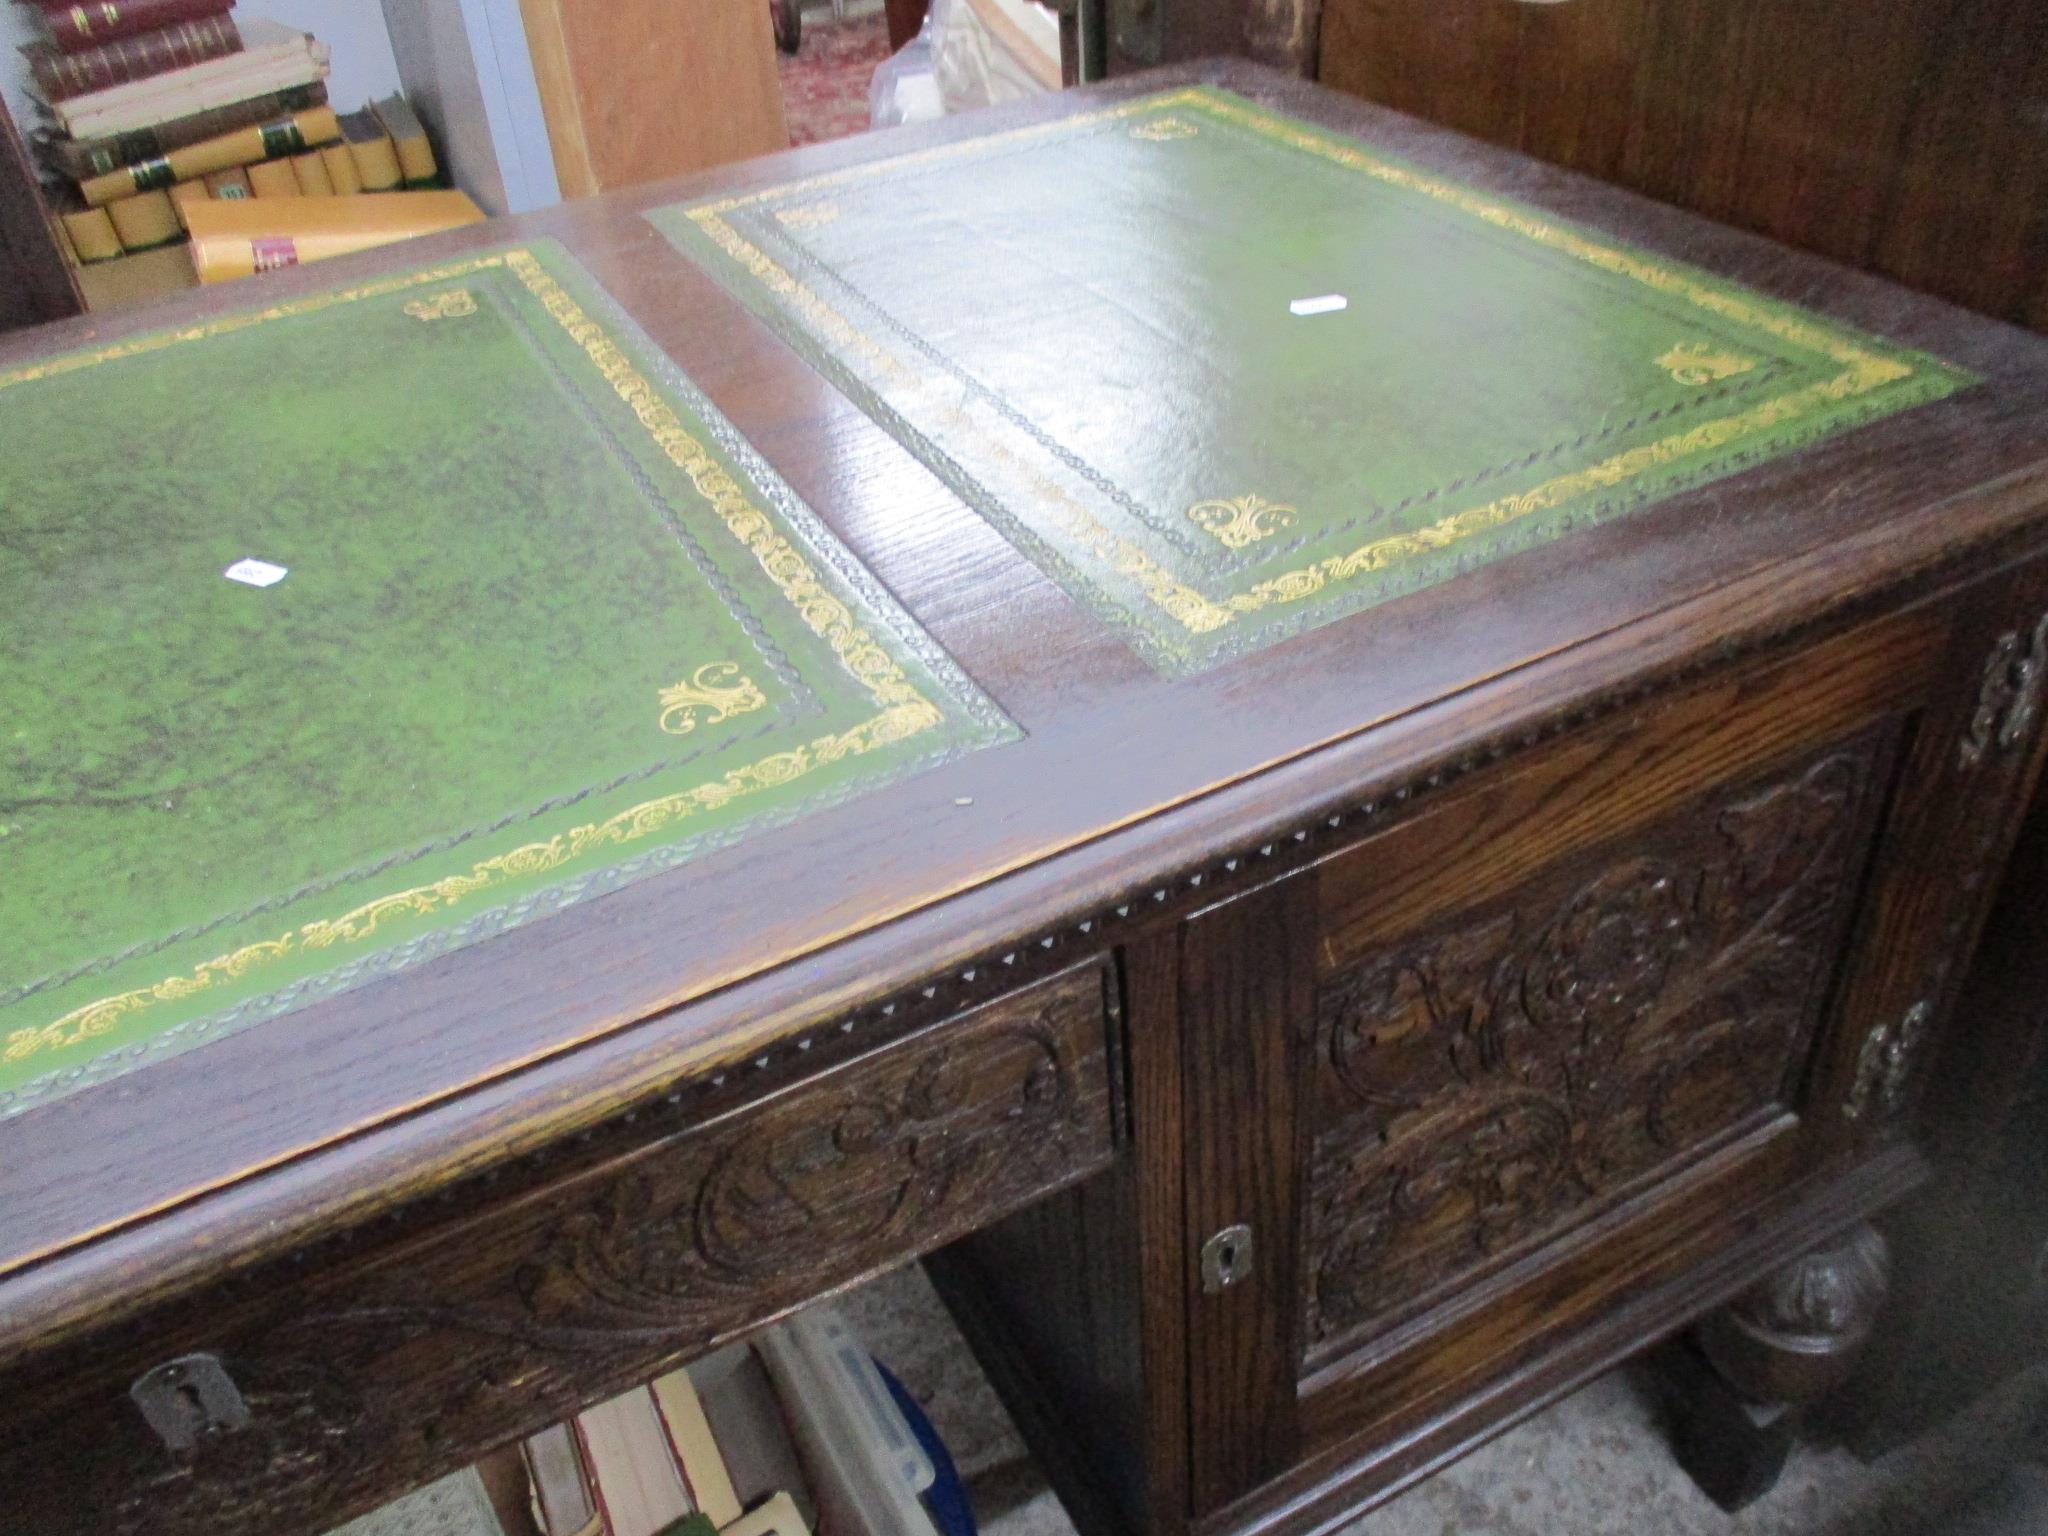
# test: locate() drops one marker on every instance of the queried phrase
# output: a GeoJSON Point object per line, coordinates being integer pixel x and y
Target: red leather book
{"type": "Point", "coordinates": [75, 28]}
{"type": "Point", "coordinates": [60, 75]}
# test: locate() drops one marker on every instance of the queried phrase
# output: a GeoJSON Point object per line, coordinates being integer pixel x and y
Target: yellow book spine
{"type": "Point", "coordinates": [341, 170]}
{"type": "Point", "coordinates": [273, 178]}
{"type": "Point", "coordinates": [233, 184]}
{"type": "Point", "coordinates": [186, 192]}
{"type": "Point", "coordinates": [376, 164]}
{"type": "Point", "coordinates": [416, 161]}
{"type": "Point", "coordinates": [312, 173]}
{"type": "Point", "coordinates": [689, 1432]}
{"type": "Point", "coordinates": [232, 240]}
{"type": "Point", "coordinates": [264, 141]}
{"type": "Point", "coordinates": [62, 236]}
{"type": "Point", "coordinates": [409, 138]}
{"type": "Point", "coordinates": [144, 220]}
{"type": "Point", "coordinates": [92, 234]}
{"type": "Point", "coordinates": [109, 285]}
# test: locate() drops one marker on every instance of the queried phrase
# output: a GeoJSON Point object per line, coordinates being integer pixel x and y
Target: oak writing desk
{"type": "Point", "coordinates": [1345, 869]}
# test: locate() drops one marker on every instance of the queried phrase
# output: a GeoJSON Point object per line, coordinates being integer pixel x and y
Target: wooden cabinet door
{"type": "Point", "coordinates": [1544, 1065]}
{"type": "Point", "coordinates": [635, 90]}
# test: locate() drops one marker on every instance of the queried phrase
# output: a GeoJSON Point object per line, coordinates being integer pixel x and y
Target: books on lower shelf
{"type": "Point", "coordinates": [71, 28]}
{"type": "Point", "coordinates": [80, 158]}
{"type": "Point", "coordinates": [402, 127]}
{"type": "Point", "coordinates": [375, 156]}
{"type": "Point", "coordinates": [136, 279]}
{"type": "Point", "coordinates": [792, 1433]}
{"type": "Point", "coordinates": [272, 58]}
{"type": "Point", "coordinates": [60, 74]}
{"type": "Point", "coordinates": [706, 1442]}
{"type": "Point", "coordinates": [291, 135]}
{"type": "Point", "coordinates": [156, 109]}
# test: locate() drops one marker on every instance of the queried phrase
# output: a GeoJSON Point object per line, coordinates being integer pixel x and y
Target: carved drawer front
{"type": "Point", "coordinates": [420, 1360]}
{"type": "Point", "coordinates": [1488, 1078]}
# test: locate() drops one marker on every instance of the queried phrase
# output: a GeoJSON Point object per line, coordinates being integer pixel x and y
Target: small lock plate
{"type": "Point", "coordinates": [1226, 1258]}
{"type": "Point", "coordinates": [188, 1400]}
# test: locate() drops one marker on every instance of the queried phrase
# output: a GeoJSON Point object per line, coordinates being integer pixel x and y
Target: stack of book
{"type": "Point", "coordinates": [795, 1433]}
{"type": "Point", "coordinates": [164, 120]}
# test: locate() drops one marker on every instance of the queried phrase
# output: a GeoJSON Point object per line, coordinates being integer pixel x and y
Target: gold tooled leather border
{"type": "Point", "coordinates": [1863, 370]}
{"type": "Point", "coordinates": [902, 711]}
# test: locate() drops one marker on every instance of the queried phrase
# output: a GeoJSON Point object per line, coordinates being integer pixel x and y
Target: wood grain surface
{"type": "Point", "coordinates": [521, 1314]}
{"type": "Point", "coordinates": [635, 91]}
{"type": "Point", "coordinates": [1902, 136]}
{"type": "Point", "coordinates": [529, 1038]}
{"type": "Point", "coordinates": [336, 1140]}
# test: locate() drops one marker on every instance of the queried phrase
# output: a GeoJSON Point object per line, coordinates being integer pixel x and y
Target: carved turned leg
{"type": "Point", "coordinates": [1743, 1375]}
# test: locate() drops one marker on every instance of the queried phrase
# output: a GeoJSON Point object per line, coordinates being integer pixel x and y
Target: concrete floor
{"type": "Point", "coordinates": [1593, 1464]}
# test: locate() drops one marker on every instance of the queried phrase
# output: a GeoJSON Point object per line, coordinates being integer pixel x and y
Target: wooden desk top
{"type": "Point", "coordinates": [1127, 776]}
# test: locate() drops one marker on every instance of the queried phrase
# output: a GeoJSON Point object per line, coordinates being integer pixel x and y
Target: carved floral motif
{"type": "Point", "coordinates": [1486, 1079]}
{"type": "Point", "coordinates": [1990, 755]}
{"type": "Point", "coordinates": [1884, 1065]}
{"type": "Point", "coordinates": [872, 1169]}
{"type": "Point", "coordinates": [426, 1360]}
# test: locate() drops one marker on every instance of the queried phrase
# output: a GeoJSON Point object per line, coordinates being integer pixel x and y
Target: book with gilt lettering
{"type": "Point", "coordinates": [75, 28]}
{"type": "Point", "coordinates": [82, 158]}
{"type": "Point", "coordinates": [59, 75]}
{"type": "Point", "coordinates": [291, 135]}
{"type": "Point", "coordinates": [272, 58]}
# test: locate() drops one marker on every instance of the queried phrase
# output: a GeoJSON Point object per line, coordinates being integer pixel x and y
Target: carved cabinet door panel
{"type": "Point", "coordinates": [1536, 1052]}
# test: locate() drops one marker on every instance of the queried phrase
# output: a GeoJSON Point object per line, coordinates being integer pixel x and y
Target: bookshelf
{"type": "Point", "coordinates": [197, 151]}
{"type": "Point", "coordinates": [865, 1415]}
{"type": "Point", "coordinates": [36, 282]}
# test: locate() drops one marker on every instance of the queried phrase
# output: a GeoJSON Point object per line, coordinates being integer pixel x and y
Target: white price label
{"type": "Point", "coordinates": [255, 573]}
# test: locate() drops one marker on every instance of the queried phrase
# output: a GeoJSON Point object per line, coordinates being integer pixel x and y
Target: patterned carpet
{"type": "Point", "coordinates": [825, 84]}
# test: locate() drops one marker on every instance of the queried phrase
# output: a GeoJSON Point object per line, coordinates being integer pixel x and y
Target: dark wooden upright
{"type": "Point", "coordinates": [1904, 137]}
{"type": "Point", "coordinates": [36, 282]}
{"type": "Point", "coordinates": [904, 18]}
{"type": "Point", "coordinates": [1702, 810]}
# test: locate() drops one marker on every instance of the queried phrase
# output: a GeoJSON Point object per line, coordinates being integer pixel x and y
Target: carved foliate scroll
{"type": "Point", "coordinates": [1489, 1079]}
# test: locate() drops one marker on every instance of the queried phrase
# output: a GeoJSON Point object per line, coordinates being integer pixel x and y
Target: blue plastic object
{"type": "Point", "coordinates": [945, 1501]}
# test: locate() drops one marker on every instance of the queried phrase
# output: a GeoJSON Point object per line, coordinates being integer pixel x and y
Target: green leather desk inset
{"type": "Point", "coordinates": [547, 625]}
{"type": "Point", "coordinates": [1273, 377]}
{"type": "Point", "coordinates": [1293, 1071]}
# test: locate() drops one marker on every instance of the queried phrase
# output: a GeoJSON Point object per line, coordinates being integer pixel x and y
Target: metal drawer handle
{"type": "Point", "coordinates": [1885, 1064]}
{"type": "Point", "coordinates": [2009, 694]}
